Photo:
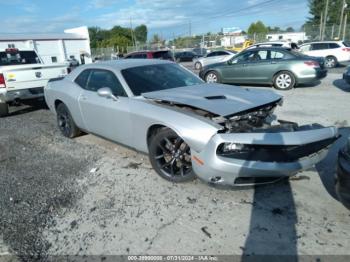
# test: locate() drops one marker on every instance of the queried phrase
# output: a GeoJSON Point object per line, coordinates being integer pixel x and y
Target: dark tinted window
{"type": "Point", "coordinates": [18, 58]}
{"type": "Point", "coordinates": [212, 54]}
{"type": "Point", "coordinates": [319, 46]}
{"type": "Point", "coordinates": [140, 56]}
{"type": "Point", "coordinates": [219, 53]}
{"type": "Point", "coordinates": [347, 44]}
{"type": "Point", "coordinates": [81, 80]}
{"type": "Point", "coordinates": [103, 78]}
{"type": "Point", "coordinates": [333, 45]}
{"type": "Point", "coordinates": [150, 78]}
{"type": "Point", "coordinates": [162, 55]}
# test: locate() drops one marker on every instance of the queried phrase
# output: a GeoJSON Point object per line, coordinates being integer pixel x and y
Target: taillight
{"type": "Point", "coordinates": [312, 63]}
{"type": "Point", "coordinates": [347, 49]}
{"type": "Point", "coordinates": [2, 81]}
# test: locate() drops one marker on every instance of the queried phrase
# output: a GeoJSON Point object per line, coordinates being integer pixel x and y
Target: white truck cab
{"type": "Point", "coordinates": [24, 76]}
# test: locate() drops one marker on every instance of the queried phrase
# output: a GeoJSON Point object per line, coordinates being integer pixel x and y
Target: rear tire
{"type": "Point", "coordinates": [66, 123]}
{"type": "Point", "coordinates": [4, 109]}
{"type": "Point", "coordinates": [198, 66]}
{"type": "Point", "coordinates": [284, 80]}
{"type": "Point", "coordinates": [170, 156]}
{"type": "Point", "coordinates": [212, 77]}
{"type": "Point", "coordinates": [331, 62]}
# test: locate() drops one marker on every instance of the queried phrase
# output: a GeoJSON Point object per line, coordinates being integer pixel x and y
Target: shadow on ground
{"type": "Point", "coordinates": [272, 233]}
{"type": "Point", "coordinates": [27, 107]}
{"type": "Point", "coordinates": [342, 85]}
{"type": "Point", "coordinates": [327, 168]}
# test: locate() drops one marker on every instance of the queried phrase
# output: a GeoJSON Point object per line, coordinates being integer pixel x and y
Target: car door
{"type": "Point", "coordinates": [264, 65]}
{"type": "Point", "coordinates": [235, 70]}
{"type": "Point", "coordinates": [103, 116]}
{"type": "Point", "coordinates": [318, 49]}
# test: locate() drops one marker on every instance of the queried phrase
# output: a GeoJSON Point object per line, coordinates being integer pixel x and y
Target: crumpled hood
{"type": "Point", "coordinates": [223, 100]}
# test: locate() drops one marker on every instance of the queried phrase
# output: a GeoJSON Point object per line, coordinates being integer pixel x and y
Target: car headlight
{"type": "Point", "coordinates": [232, 147]}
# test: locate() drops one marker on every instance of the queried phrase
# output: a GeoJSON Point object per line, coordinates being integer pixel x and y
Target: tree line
{"type": "Point", "coordinates": [118, 37]}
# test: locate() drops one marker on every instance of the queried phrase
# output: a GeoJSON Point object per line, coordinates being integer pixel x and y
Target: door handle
{"type": "Point", "coordinates": [83, 97]}
{"type": "Point", "coordinates": [273, 62]}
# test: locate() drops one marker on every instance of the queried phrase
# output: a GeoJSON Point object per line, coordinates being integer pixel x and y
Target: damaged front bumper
{"type": "Point", "coordinates": [262, 155]}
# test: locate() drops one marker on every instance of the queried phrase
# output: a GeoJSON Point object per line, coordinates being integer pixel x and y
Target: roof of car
{"type": "Point", "coordinates": [127, 63]}
{"type": "Point", "coordinates": [147, 51]}
{"type": "Point", "coordinates": [267, 48]}
{"type": "Point", "coordinates": [321, 42]}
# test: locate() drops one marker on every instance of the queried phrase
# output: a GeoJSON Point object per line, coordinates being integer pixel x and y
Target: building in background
{"type": "Point", "coordinates": [232, 36]}
{"type": "Point", "coordinates": [295, 37]}
{"type": "Point", "coordinates": [73, 44]}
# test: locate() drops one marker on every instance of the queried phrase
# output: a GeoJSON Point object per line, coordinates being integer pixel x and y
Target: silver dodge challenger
{"type": "Point", "coordinates": [221, 134]}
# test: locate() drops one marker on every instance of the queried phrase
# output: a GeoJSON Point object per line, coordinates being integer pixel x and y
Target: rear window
{"type": "Point", "coordinates": [18, 58]}
{"type": "Point", "coordinates": [347, 44]}
{"type": "Point", "coordinates": [162, 55]}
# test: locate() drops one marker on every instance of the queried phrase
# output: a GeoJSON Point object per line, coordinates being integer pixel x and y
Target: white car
{"type": "Point", "coordinates": [334, 52]}
{"type": "Point", "coordinates": [212, 58]}
{"type": "Point", "coordinates": [24, 76]}
{"type": "Point", "coordinates": [274, 44]}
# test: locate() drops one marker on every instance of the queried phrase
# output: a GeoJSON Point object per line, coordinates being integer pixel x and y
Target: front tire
{"type": "Point", "coordinates": [4, 109]}
{"type": "Point", "coordinates": [170, 156]}
{"type": "Point", "coordinates": [65, 122]}
{"type": "Point", "coordinates": [212, 77]}
{"type": "Point", "coordinates": [331, 62]}
{"type": "Point", "coordinates": [284, 81]}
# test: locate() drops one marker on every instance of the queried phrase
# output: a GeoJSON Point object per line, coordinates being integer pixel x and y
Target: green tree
{"type": "Point", "coordinates": [257, 28]}
{"type": "Point", "coordinates": [141, 33]}
{"type": "Point", "coordinates": [290, 29]}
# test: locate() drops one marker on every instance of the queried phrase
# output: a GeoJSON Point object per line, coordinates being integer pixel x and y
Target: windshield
{"type": "Point", "coordinates": [18, 58]}
{"type": "Point", "coordinates": [347, 44]}
{"type": "Point", "coordinates": [150, 78]}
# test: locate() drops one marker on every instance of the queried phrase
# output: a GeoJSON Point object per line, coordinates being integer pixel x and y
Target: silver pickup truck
{"type": "Point", "coordinates": [23, 76]}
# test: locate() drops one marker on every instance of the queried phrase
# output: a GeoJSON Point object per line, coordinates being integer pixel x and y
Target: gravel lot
{"type": "Point", "coordinates": [88, 196]}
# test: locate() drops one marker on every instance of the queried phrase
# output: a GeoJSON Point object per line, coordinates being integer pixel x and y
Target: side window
{"type": "Point", "coordinates": [220, 53]}
{"type": "Point", "coordinates": [333, 45]}
{"type": "Point", "coordinates": [319, 46]}
{"type": "Point", "coordinates": [103, 78]}
{"type": "Point", "coordinates": [82, 79]}
{"type": "Point", "coordinates": [211, 54]}
{"type": "Point", "coordinates": [277, 55]}
{"type": "Point", "coordinates": [53, 59]}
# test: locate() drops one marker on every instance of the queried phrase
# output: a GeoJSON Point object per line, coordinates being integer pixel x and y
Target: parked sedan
{"type": "Point", "coordinates": [280, 67]}
{"type": "Point", "coordinates": [343, 176]}
{"type": "Point", "coordinates": [213, 58]}
{"type": "Point", "coordinates": [186, 56]}
{"type": "Point", "coordinates": [222, 134]}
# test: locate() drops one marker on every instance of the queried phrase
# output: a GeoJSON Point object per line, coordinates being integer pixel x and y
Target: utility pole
{"type": "Point", "coordinates": [345, 24]}
{"type": "Point", "coordinates": [341, 18]}
{"type": "Point", "coordinates": [132, 34]}
{"type": "Point", "coordinates": [325, 19]}
{"type": "Point", "coordinates": [321, 25]}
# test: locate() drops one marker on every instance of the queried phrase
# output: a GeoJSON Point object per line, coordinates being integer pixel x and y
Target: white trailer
{"type": "Point", "coordinates": [73, 44]}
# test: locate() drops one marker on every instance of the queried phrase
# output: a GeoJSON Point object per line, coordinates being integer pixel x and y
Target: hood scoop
{"type": "Point", "coordinates": [215, 97]}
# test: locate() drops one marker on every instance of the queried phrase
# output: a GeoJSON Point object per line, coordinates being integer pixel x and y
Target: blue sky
{"type": "Point", "coordinates": [165, 17]}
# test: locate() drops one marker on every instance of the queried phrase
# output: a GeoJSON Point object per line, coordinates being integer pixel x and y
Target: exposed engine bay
{"type": "Point", "coordinates": [255, 120]}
